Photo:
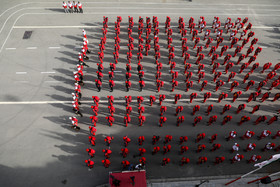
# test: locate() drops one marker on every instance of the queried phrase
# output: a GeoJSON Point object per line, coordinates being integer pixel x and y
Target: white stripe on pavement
{"type": "Point", "coordinates": [21, 73]}
{"type": "Point", "coordinates": [31, 48]}
{"type": "Point", "coordinates": [54, 47]}
{"type": "Point", "coordinates": [12, 48]}
{"type": "Point", "coordinates": [47, 72]}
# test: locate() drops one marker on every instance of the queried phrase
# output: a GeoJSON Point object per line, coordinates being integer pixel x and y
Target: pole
{"type": "Point", "coordinates": [243, 176]}
{"type": "Point", "coordinates": [264, 177]}
{"type": "Point", "coordinates": [260, 165]}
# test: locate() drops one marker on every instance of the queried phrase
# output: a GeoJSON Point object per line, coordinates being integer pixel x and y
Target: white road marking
{"type": "Point", "coordinates": [118, 71]}
{"type": "Point", "coordinates": [116, 101]}
{"type": "Point", "coordinates": [12, 48]}
{"type": "Point", "coordinates": [263, 47]}
{"type": "Point", "coordinates": [47, 72]}
{"type": "Point", "coordinates": [21, 73]}
{"type": "Point", "coordinates": [54, 47]}
{"type": "Point", "coordinates": [51, 81]}
{"type": "Point", "coordinates": [31, 48]}
{"type": "Point", "coordinates": [21, 81]}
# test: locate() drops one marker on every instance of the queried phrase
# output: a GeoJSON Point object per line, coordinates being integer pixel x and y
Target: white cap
{"type": "Point", "coordinates": [75, 72]}
{"type": "Point", "coordinates": [73, 94]}
{"type": "Point", "coordinates": [70, 117]}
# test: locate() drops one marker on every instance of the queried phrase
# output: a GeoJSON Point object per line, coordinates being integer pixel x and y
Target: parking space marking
{"type": "Point", "coordinates": [46, 72]}
{"type": "Point", "coordinates": [54, 47]}
{"type": "Point", "coordinates": [31, 48]}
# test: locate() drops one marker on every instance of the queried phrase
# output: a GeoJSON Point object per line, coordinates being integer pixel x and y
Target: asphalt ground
{"type": "Point", "coordinates": [38, 147]}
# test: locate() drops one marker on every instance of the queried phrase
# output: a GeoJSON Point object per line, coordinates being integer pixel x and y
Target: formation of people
{"type": "Point", "coordinates": [219, 62]}
{"type": "Point", "coordinates": [72, 7]}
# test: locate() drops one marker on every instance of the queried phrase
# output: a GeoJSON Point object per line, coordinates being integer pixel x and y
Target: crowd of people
{"type": "Point", "coordinates": [72, 7]}
{"type": "Point", "coordinates": [237, 43]}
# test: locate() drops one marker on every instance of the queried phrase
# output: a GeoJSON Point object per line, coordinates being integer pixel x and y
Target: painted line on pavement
{"type": "Point", "coordinates": [31, 48]}
{"type": "Point", "coordinates": [54, 47]}
{"type": "Point", "coordinates": [21, 73]}
{"type": "Point", "coordinates": [46, 72]}
{"type": "Point", "coordinates": [12, 48]}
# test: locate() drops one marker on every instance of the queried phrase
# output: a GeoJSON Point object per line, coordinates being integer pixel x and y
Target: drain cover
{"type": "Point", "coordinates": [27, 34]}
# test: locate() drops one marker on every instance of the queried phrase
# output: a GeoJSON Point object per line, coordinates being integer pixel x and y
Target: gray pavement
{"type": "Point", "coordinates": [37, 145]}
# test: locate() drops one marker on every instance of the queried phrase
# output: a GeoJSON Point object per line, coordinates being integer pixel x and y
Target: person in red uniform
{"type": "Point", "coordinates": [248, 134]}
{"type": "Point", "coordinates": [242, 57]}
{"type": "Point", "coordinates": [202, 160]}
{"type": "Point", "coordinates": [197, 119]}
{"type": "Point", "coordinates": [222, 96]}
{"type": "Point", "coordinates": [233, 85]}
{"type": "Point", "coordinates": [276, 97]}
{"type": "Point", "coordinates": [200, 148]}
{"type": "Point", "coordinates": [162, 120]}
{"type": "Point", "coordinates": [195, 109]}
{"type": "Point", "coordinates": [106, 163]}
{"type": "Point", "coordinates": [266, 66]}
{"type": "Point", "coordinates": [155, 139]}
{"type": "Point", "coordinates": [219, 160]}
{"type": "Point", "coordinates": [199, 137]}
{"type": "Point", "coordinates": [212, 119]}
{"type": "Point", "coordinates": [183, 139]}
{"type": "Point", "coordinates": [107, 153]}
{"type": "Point", "coordinates": [128, 100]}
{"type": "Point", "coordinates": [260, 119]}
{"type": "Point", "coordinates": [276, 135]}
{"type": "Point", "coordinates": [177, 97]}
{"type": "Point", "coordinates": [255, 66]}
{"type": "Point", "coordinates": [236, 95]}
{"type": "Point", "coordinates": [124, 152]}
{"type": "Point", "coordinates": [155, 150]}
{"type": "Point", "coordinates": [162, 110]}
{"type": "Point", "coordinates": [91, 152]}
{"type": "Point", "coordinates": [209, 109]}
{"type": "Point", "coordinates": [237, 158]}
{"type": "Point", "coordinates": [189, 84]}
{"type": "Point", "coordinates": [216, 146]}
{"type": "Point", "coordinates": [226, 108]}
{"type": "Point", "coordinates": [110, 120]}
{"type": "Point", "coordinates": [142, 151]}
{"type": "Point", "coordinates": [240, 108]}
{"type": "Point", "coordinates": [89, 163]}
{"type": "Point", "coordinates": [254, 158]}
{"type": "Point", "coordinates": [265, 133]}
{"type": "Point", "coordinates": [165, 161]}
{"type": "Point", "coordinates": [272, 120]}
{"type": "Point", "coordinates": [250, 83]}
{"type": "Point", "coordinates": [232, 134]}
{"type": "Point", "coordinates": [180, 120]}
{"type": "Point", "coordinates": [184, 160]}
{"type": "Point", "coordinates": [207, 95]}
{"type": "Point", "coordinates": [253, 96]}
{"type": "Point", "coordinates": [141, 139]}
{"type": "Point", "coordinates": [226, 119]}
{"type": "Point", "coordinates": [269, 146]}
{"type": "Point", "coordinates": [213, 138]}
{"type": "Point", "coordinates": [265, 96]}
{"type": "Point", "coordinates": [193, 96]}
{"type": "Point", "coordinates": [126, 140]}
{"type": "Point", "coordinates": [178, 110]}
{"type": "Point", "coordinates": [244, 119]}
{"type": "Point", "coordinates": [161, 98]}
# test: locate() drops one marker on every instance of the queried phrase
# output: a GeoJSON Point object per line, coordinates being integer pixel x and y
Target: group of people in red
{"type": "Point", "coordinates": [124, 152]}
{"type": "Point", "coordinates": [233, 28]}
